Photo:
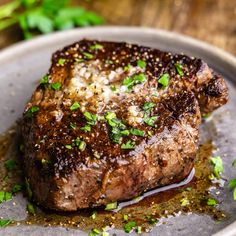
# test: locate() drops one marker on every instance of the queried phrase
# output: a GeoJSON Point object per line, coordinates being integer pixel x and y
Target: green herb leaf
{"type": "Point", "coordinates": [127, 68]}
{"type": "Point", "coordinates": [94, 232]}
{"type": "Point", "coordinates": [164, 80]}
{"type": "Point", "coordinates": [73, 125]}
{"type": "Point", "coordinates": [88, 55]}
{"type": "Point", "coordinates": [128, 145]}
{"type": "Point", "coordinates": [61, 61]}
{"type": "Point", "coordinates": [96, 46]}
{"type": "Point", "coordinates": [234, 163]}
{"type": "Point", "coordinates": [179, 69]}
{"type": "Point", "coordinates": [86, 128]}
{"type": "Point", "coordinates": [232, 183]}
{"type": "Point", "coordinates": [56, 86]}
{"type": "Point", "coordinates": [4, 222]}
{"type": "Point", "coordinates": [137, 132]}
{"type": "Point", "coordinates": [68, 146]}
{"type": "Point", "coordinates": [17, 188]}
{"type": "Point", "coordinates": [139, 229]}
{"type": "Point", "coordinates": [125, 217]}
{"type": "Point", "coordinates": [234, 194]}
{"type": "Point", "coordinates": [94, 215]}
{"type": "Point", "coordinates": [44, 80]}
{"type": "Point", "coordinates": [129, 82]}
{"type": "Point", "coordinates": [5, 196]}
{"type": "Point", "coordinates": [10, 165]}
{"type": "Point", "coordinates": [211, 202]}
{"type": "Point", "coordinates": [113, 88]}
{"type": "Point", "coordinates": [217, 165]}
{"type": "Point", "coordinates": [184, 202]}
{"type": "Point", "coordinates": [31, 209]}
{"type": "Point", "coordinates": [149, 120]}
{"type": "Point", "coordinates": [140, 78]}
{"type": "Point", "coordinates": [31, 111]}
{"type": "Point", "coordinates": [111, 206]}
{"type": "Point", "coordinates": [128, 227]}
{"type": "Point", "coordinates": [125, 132]}
{"type": "Point", "coordinates": [148, 106]}
{"type": "Point", "coordinates": [75, 106]}
{"type": "Point", "coordinates": [91, 118]}
{"type": "Point", "coordinates": [141, 63]}
{"type": "Point", "coordinates": [152, 220]}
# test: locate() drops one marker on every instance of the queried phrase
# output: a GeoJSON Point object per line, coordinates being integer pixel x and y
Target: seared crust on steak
{"type": "Point", "coordinates": [66, 175]}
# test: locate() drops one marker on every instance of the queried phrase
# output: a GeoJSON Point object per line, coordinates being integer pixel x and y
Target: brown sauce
{"type": "Point", "coordinates": [158, 206]}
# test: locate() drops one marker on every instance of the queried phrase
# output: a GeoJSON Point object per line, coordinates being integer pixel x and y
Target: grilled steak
{"type": "Point", "coordinates": [112, 120]}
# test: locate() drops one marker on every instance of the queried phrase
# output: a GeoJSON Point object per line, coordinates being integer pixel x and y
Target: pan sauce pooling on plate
{"type": "Point", "coordinates": [92, 141]}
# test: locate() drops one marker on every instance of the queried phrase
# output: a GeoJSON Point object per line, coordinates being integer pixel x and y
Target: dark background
{"type": "Point", "coordinates": [213, 21]}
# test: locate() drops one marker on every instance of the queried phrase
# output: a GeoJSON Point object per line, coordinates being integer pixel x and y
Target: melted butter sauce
{"type": "Point", "coordinates": [157, 206]}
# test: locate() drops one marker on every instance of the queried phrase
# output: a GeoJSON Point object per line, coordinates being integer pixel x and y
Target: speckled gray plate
{"type": "Point", "coordinates": [23, 64]}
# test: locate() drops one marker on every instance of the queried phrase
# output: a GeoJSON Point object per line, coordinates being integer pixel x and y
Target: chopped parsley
{"type": "Point", "coordinates": [94, 232]}
{"type": "Point", "coordinates": [4, 222]}
{"type": "Point", "coordinates": [10, 165]}
{"type": "Point", "coordinates": [152, 220]}
{"type": "Point", "coordinates": [94, 215]}
{"type": "Point", "coordinates": [56, 86]}
{"type": "Point", "coordinates": [61, 61]}
{"type": "Point", "coordinates": [111, 206]}
{"type": "Point", "coordinates": [17, 188]}
{"type": "Point", "coordinates": [141, 63]}
{"type": "Point", "coordinates": [149, 120]}
{"type": "Point", "coordinates": [31, 111]}
{"type": "Point", "coordinates": [125, 132]}
{"type": "Point", "coordinates": [72, 125]}
{"type": "Point", "coordinates": [129, 82]}
{"type": "Point", "coordinates": [128, 67]}
{"type": "Point", "coordinates": [211, 202]}
{"type": "Point", "coordinates": [86, 128]}
{"type": "Point", "coordinates": [128, 227]}
{"type": "Point", "coordinates": [139, 229]}
{"type": "Point", "coordinates": [75, 106]}
{"type": "Point", "coordinates": [184, 202]}
{"type": "Point", "coordinates": [91, 118]}
{"type": "Point", "coordinates": [113, 88]}
{"type": "Point", "coordinates": [137, 132]}
{"type": "Point", "coordinates": [96, 46]}
{"type": "Point", "coordinates": [206, 115]}
{"type": "Point", "coordinates": [79, 60]}
{"type": "Point", "coordinates": [44, 80]}
{"type": "Point", "coordinates": [179, 69]}
{"type": "Point", "coordinates": [234, 163]}
{"type": "Point", "coordinates": [217, 164]}
{"type": "Point", "coordinates": [68, 146]}
{"type": "Point", "coordinates": [148, 106]}
{"type": "Point", "coordinates": [128, 145]}
{"type": "Point", "coordinates": [88, 55]}
{"type": "Point", "coordinates": [31, 209]}
{"type": "Point", "coordinates": [164, 80]}
{"type": "Point", "coordinates": [5, 196]}
{"type": "Point", "coordinates": [125, 217]}
{"type": "Point", "coordinates": [232, 183]}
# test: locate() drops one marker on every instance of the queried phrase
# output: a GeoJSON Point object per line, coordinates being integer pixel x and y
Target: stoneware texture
{"type": "Point", "coordinates": [22, 65]}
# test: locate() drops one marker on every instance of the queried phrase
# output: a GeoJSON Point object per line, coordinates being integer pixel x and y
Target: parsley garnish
{"type": "Point", "coordinates": [4, 222]}
{"type": "Point", "coordinates": [232, 183]}
{"type": "Point", "coordinates": [94, 232]}
{"type": "Point", "coordinates": [61, 61]}
{"type": "Point", "coordinates": [141, 63]}
{"type": "Point", "coordinates": [137, 132]}
{"type": "Point", "coordinates": [45, 16]}
{"type": "Point", "coordinates": [31, 111]}
{"type": "Point", "coordinates": [125, 217]}
{"type": "Point", "coordinates": [211, 202]}
{"type": "Point", "coordinates": [129, 82]}
{"type": "Point", "coordinates": [44, 80]}
{"type": "Point", "coordinates": [179, 69]}
{"type": "Point", "coordinates": [68, 146]}
{"type": "Point", "coordinates": [234, 163]}
{"type": "Point", "coordinates": [94, 215]}
{"type": "Point", "coordinates": [91, 118]}
{"type": "Point", "coordinates": [31, 209]}
{"type": "Point", "coordinates": [80, 144]}
{"type": "Point", "coordinates": [148, 106]}
{"type": "Point", "coordinates": [5, 196]}
{"type": "Point", "coordinates": [56, 86]}
{"type": "Point", "coordinates": [128, 145]}
{"type": "Point", "coordinates": [128, 227]}
{"type": "Point", "coordinates": [96, 46]}
{"type": "Point", "coordinates": [184, 202]}
{"type": "Point", "coordinates": [88, 55]}
{"type": "Point", "coordinates": [16, 188]}
{"type": "Point", "coordinates": [10, 165]}
{"type": "Point", "coordinates": [72, 125]}
{"type": "Point", "coordinates": [111, 206]}
{"type": "Point", "coordinates": [113, 88]}
{"type": "Point", "coordinates": [75, 106]}
{"type": "Point", "coordinates": [149, 120]}
{"type": "Point", "coordinates": [164, 80]}
{"type": "Point", "coordinates": [217, 166]}
{"type": "Point", "coordinates": [128, 67]}
{"type": "Point", "coordinates": [86, 128]}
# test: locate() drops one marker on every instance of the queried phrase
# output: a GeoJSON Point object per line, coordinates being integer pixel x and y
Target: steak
{"type": "Point", "coordinates": [113, 120]}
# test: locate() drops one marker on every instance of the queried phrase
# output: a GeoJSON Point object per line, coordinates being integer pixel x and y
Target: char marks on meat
{"type": "Point", "coordinates": [112, 120]}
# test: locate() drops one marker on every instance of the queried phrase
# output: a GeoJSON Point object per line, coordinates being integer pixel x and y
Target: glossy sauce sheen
{"type": "Point", "coordinates": [158, 206]}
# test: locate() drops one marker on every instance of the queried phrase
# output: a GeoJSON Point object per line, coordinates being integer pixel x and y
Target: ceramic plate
{"type": "Point", "coordinates": [23, 64]}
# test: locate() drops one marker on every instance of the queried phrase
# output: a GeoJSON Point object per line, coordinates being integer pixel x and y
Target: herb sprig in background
{"type": "Point", "coordinates": [45, 16]}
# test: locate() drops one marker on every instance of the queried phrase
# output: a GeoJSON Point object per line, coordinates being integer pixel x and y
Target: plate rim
{"type": "Point", "coordinates": [20, 48]}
